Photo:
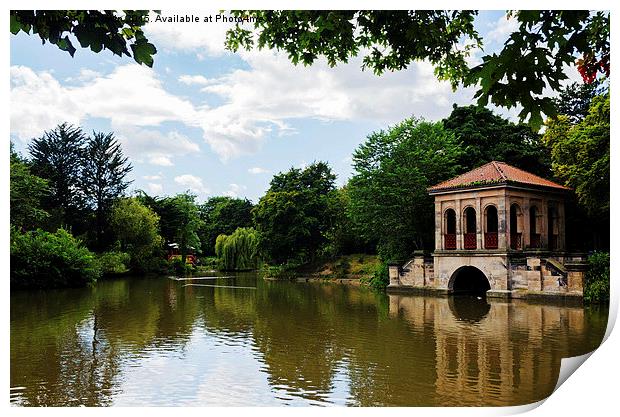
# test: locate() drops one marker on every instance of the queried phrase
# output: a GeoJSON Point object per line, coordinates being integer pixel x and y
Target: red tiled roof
{"type": "Point", "coordinates": [495, 173]}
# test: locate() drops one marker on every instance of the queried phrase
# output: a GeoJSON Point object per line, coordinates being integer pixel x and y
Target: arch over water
{"type": "Point", "coordinates": [468, 280]}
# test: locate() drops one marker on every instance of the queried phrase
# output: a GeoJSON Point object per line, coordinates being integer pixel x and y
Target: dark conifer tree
{"type": "Point", "coordinates": [57, 157]}
{"type": "Point", "coordinates": [102, 180]}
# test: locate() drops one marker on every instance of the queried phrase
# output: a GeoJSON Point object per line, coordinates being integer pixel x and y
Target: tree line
{"type": "Point", "coordinates": [71, 192]}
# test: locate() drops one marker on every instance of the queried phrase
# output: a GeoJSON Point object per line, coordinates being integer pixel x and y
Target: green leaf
{"type": "Point", "coordinates": [143, 52]}
{"type": "Point", "coordinates": [15, 25]}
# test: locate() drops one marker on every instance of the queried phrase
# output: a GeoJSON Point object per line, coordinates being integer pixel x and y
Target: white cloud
{"type": "Point", "coordinates": [234, 190]}
{"type": "Point", "coordinates": [154, 146]}
{"type": "Point", "coordinates": [38, 103]}
{"type": "Point", "coordinates": [85, 75]}
{"type": "Point", "coordinates": [257, 170]}
{"type": "Point", "coordinates": [193, 79]}
{"type": "Point", "coordinates": [152, 177]}
{"type": "Point", "coordinates": [258, 102]}
{"type": "Point", "coordinates": [202, 38]}
{"type": "Point", "coordinates": [154, 188]}
{"type": "Point", "coordinates": [130, 96]}
{"type": "Point", "coordinates": [192, 182]}
{"type": "Point", "coordinates": [161, 160]}
{"type": "Point", "coordinates": [503, 27]}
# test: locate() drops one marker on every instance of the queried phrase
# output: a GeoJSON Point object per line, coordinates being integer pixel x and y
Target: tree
{"type": "Point", "coordinates": [238, 251]}
{"type": "Point", "coordinates": [180, 221]}
{"type": "Point", "coordinates": [574, 100]}
{"type": "Point", "coordinates": [57, 157]}
{"type": "Point", "coordinates": [393, 169]}
{"type": "Point", "coordinates": [102, 177]}
{"type": "Point", "coordinates": [533, 57]}
{"type": "Point", "coordinates": [94, 29]}
{"type": "Point", "coordinates": [222, 215]}
{"type": "Point", "coordinates": [343, 237]}
{"type": "Point", "coordinates": [293, 216]}
{"type": "Point", "coordinates": [27, 193]}
{"type": "Point", "coordinates": [487, 137]}
{"type": "Point", "coordinates": [136, 228]}
{"type": "Point", "coordinates": [581, 156]}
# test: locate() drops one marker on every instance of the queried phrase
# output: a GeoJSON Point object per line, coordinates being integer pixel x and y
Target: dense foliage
{"type": "Point", "coordinates": [393, 169]}
{"type": "Point", "coordinates": [238, 251]}
{"type": "Point", "coordinates": [135, 228]}
{"type": "Point", "coordinates": [94, 29]}
{"type": "Point", "coordinates": [222, 215]}
{"type": "Point", "coordinates": [581, 155]}
{"type": "Point", "coordinates": [40, 259]}
{"type": "Point", "coordinates": [294, 215]}
{"type": "Point", "coordinates": [485, 137]}
{"type": "Point", "coordinates": [27, 193]}
{"type": "Point", "coordinates": [535, 55]}
{"type": "Point", "coordinates": [596, 289]}
{"type": "Point", "coordinates": [114, 263]}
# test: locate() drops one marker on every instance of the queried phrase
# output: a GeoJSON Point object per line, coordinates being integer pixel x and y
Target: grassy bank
{"type": "Point", "coordinates": [356, 266]}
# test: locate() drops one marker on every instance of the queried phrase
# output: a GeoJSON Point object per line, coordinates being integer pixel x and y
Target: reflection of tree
{"type": "Point", "coordinates": [55, 354]}
{"type": "Point", "coordinates": [70, 347]}
{"type": "Point", "coordinates": [71, 355]}
{"type": "Point", "coordinates": [295, 333]}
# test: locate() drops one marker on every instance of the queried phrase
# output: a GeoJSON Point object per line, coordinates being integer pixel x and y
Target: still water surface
{"type": "Point", "coordinates": [157, 342]}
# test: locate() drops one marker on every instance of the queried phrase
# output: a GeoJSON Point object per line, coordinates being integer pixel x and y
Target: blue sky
{"type": "Point", "coordinates": [215, 122]}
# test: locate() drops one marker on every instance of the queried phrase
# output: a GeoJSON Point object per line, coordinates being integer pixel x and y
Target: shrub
{"type": "Point", "coordinates": [40, 259]}
{"type": "Point", "coordinates": [597, 278]}
{"type": "Point", "coordinates": [284, 271]}
{"type": "Point", "coordinates": [114, 263]}
{"type": "Point", "coordinates": [380, 278]}
{"type": "Point", "coordinates": [341, 268]}
{"type": "Point", "coordinates": [177, 267]}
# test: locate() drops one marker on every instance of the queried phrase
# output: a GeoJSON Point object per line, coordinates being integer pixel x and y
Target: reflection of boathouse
{"type": "Point", "coordinates": [497, 229]}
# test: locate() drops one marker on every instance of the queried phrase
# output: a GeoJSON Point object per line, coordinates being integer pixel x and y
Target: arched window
{"type": "Point", "coordinates": [534, 231]}
{"type": "Point", "coordinates": [450, 229]}
{"type": "Point", "coordinates": [469, 241]}
{"type": "Point", "coordinates": [552, 226]}
{"type": "Point", "coordinates": [515, 226]}
{"type": "Point", "coordinates": [490, 232]}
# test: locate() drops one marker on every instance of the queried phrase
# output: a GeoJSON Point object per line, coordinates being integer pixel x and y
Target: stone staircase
{"type": "Point", "coordinates": [554, 276]}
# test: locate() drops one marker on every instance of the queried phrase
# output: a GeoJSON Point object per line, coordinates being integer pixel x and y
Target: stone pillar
{"type": "Point", "coordinates": [507, 219]}
{"type": "Point", "coordinates": [394, 273]}
{"type": "Point", "coordinates": [525, 236]}
{"type": "Point", "coordinates": [502, 241]}
{"type": "Point", "coordinates": [459, 225]}
{"type": "Point", "coordinates": [438, 226]}
{"type": "Point", "coordinates": [479, 240]}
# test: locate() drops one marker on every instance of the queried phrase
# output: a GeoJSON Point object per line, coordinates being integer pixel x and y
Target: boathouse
{"type": "Point", "coordinates": [499, 231]}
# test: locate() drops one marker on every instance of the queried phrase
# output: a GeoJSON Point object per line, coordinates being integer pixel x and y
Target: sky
{"type": "Point", "coordinates": [220, 123]}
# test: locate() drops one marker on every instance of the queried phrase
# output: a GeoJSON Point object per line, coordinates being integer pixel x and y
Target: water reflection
{"type": "Point", "coordinates": [156, 342]}
{"type": "Point", "coordinates": [469, 308]}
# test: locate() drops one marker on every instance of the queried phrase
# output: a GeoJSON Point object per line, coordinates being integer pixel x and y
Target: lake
{"type": "Point", "coordinates": [163, 342]}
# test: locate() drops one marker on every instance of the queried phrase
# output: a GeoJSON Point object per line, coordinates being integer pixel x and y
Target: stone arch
{"type": "Point", "coordinates": [469, 230]}
{"type": "Point", "coordinates": [468, 280]}
{"type": "Point", "coordinates": [491, 225]}
{"type": "Point", "coordinates": [449, 229]}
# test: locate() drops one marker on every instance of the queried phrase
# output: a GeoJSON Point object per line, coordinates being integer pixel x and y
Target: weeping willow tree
{"type": "Point", "coordinates": [238, 251]}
